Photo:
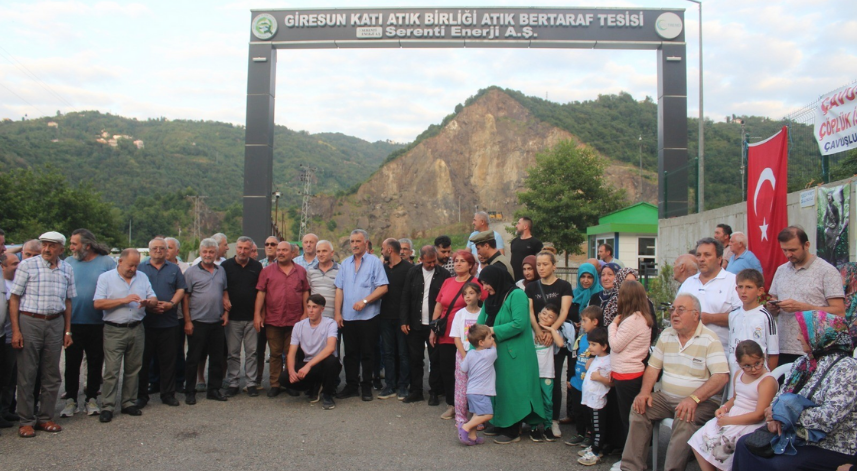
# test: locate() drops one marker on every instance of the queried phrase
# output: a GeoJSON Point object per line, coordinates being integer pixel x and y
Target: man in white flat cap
{"type": "Point", "coordinates": [41, 296]}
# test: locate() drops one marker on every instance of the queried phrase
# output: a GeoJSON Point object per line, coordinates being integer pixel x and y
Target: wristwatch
{"type": "Point", "coordinates": [68, 333]}
{"type": "Point", "coordinates": [695, 399]}
{"type": "Point", "coordinates": [365, 302]}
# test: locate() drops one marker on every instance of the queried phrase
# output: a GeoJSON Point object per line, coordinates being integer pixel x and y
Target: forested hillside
{"type": "Point", "coordinates": [205, 156]}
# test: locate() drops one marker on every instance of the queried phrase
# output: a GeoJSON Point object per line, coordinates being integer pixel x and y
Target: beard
{"type": "Point", "coordinates": [79, 254]}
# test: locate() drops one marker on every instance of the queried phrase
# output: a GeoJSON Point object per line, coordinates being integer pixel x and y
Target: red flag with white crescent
{"type": "Point", "coordinates": [767, 215]}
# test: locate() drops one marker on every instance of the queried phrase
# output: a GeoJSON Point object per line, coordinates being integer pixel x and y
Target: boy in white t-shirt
{"type": "Point", "coordinates": [752, 321]}
{"type": "Point", "coordinates": [545, 356]}
{"type": "Point", "coordinates": [596, 385]}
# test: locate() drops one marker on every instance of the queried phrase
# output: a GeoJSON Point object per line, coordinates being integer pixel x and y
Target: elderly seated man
{"type": "Point", "coordinates": [694, 374]}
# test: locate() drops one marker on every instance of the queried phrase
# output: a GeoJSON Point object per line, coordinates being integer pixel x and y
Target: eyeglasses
{"type": "Point", "coordinates": [270, 244]}
{"type": "Point", "coordinates": [681, 310]}
{"type": "Point", "coordinates": [754, 366]}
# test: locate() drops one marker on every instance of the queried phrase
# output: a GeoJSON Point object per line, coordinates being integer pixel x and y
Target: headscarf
{"type": "Point", "coordinates": [826, 334]}
{"type": "Point", "coordinates": [581, 294]}
{"type": "Point", "coordinates": [849, 279]}
{"type": "Point", "coordinates": [612, 308]}
{"type": "Point", "coordinates": [501, 282]}
{"type": "Point", "coordinates": [531, 261]}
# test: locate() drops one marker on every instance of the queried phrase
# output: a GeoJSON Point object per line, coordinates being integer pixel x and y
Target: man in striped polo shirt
{"type": "Point", "coordinates": [694, 374]}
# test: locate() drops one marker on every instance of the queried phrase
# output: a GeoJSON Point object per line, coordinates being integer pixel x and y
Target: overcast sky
{"type": "Point", "coordinates": [188, 60]}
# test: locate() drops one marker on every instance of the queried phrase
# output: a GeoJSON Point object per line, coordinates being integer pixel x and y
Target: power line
{"type": "Point", "coordinates": [22, 99]}
{"type": "Point", "coordinates": [35, 77]}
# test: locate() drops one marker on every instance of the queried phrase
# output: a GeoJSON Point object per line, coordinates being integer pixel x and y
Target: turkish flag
{"type": "Point", "coordinates": [767, 183]}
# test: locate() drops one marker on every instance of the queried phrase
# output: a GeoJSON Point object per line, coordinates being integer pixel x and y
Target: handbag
{"type": "Point", "coordinates": [438, 326]}
{"type": "Point", "coordinates": [759, 441]}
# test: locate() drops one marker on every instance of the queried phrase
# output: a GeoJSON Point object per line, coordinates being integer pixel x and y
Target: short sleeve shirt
{"type": "Point", "coordinates": [357, 283]}
{"type": "Point", "coordinates": [323, 283]}
{"type": "Point", "coordinates": [284, 294]}
{"type": "Point", "coordinates": [520, 249]}
{"type": "Point", "coordinates": [85, 278]}
{"type": "Point", "coordinates": [391, 303]}
{"type": "Point", "coordinates": [312, 340]}
{"type": "Point", "coordinates": [242, 288]}
{"type": "Point", "coordinates": [756, 324]}
{"type": "Point", "coordinates": [687, 367]}
{"type": "Point", "coordinates": [206, 293]}
{"type": "Point", "coordinates": [553, 292]}
{"type": "Point", "coordinates": [718, 295]}
{"type": "Point", "coordinates": [461, 325]}
{"type": "Point", "coordinates": [112, 286]}
{"type": "Point", "coordinates": [43, 290]}
{"type": "Point", "coordinates": [165, 282]}
{"type": "Point", "coordinates": [813, 284]}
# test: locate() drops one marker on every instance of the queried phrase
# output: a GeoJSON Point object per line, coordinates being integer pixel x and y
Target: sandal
{"type": "Point", "coordinates": [25, 431]}
{"type": "Point", "coordinates": [49, 426]}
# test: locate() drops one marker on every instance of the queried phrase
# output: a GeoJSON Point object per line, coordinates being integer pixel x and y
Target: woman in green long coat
{"type": "Point", "coordinates": [507, 312]}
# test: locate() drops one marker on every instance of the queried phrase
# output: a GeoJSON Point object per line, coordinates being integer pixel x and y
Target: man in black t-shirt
{"type": "Point", "coordinates": [523, 245]}
{"type": "Point", "coordinates": [242, 275]}
{"type": "Point", "coordinates": [395, 351]}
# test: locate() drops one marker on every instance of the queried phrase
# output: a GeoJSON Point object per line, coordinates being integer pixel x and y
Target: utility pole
{"type": "Point", "coordinates": [641, 168]}
{"type": "Point", "coordinates": [307, 176]}
{"type": "Point", "coordinates": [197, 209]}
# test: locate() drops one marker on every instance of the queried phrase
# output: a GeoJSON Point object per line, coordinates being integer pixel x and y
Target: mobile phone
{"type": "Point", "coordinates": [775, 302]}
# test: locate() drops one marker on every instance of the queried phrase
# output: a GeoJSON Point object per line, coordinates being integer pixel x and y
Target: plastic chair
{"type": "Point", "coordinates": [656, 427]}
{"type": "Point", "coordinates": [781, 371]}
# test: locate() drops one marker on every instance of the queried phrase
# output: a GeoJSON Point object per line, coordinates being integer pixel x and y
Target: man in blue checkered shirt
{"type": "Point", "coordinates": [41, 296]}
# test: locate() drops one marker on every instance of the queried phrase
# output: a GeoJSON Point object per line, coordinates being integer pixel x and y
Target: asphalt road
{"type": "Point", "coordinates": [286, 432]}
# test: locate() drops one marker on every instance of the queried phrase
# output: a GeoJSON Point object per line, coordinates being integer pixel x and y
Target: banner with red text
{"type": "Point", "coordinates": [767, 185]}
{"type": "Point", "coordinates": [836, 121]}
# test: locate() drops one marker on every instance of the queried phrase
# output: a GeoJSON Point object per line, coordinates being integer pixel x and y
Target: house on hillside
{"type": "Point", "coordinates": [633, 233]}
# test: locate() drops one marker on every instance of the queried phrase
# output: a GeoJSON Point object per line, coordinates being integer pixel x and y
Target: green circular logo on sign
{"type": "Point", "coordinates": [264, 26]}
{"type": "Point", "coordinates": [668, 25]}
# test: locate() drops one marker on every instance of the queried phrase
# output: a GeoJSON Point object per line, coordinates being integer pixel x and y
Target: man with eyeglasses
{"type": "Point", "coordinates": [694, 373]}
{"type": "Point", "coordinates": [160, 324]}
{"type": "Point", "coordinates": [714, 287]}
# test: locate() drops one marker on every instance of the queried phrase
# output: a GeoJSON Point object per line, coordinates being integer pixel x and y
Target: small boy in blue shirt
{"type": "Point", "coordinates": [590, 318]}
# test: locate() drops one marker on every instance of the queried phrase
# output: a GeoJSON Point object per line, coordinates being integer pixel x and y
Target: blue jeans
{"type": "Point", "coordinates": [395, 352]}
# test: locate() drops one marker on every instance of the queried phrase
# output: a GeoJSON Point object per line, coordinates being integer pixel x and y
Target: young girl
{"type": "Point", "coordinates": [596, 385]}
{"type": "Point", "coordinates": [754, 389]}
{"type": "Point", "coordinates": [461, 323]}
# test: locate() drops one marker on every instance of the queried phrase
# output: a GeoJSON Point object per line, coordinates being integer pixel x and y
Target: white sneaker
{"type": "Point", "coordinates": [584, 451]}
{"type": "Point", "coordinates": [69, 409]}
{"type": "Point", "coordinates": [92, 407]}
{"type": "Point", "coordinates": [617, 466]}
{"type": "Point", "coordinates": [555, 429]}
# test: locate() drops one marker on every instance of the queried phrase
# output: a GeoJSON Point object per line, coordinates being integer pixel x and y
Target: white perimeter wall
{"type": "Point", "coordinates": [678, 235]}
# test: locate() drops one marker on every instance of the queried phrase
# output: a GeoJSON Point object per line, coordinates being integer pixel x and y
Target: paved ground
{"type": "Point", "coordinates": [261, 433]}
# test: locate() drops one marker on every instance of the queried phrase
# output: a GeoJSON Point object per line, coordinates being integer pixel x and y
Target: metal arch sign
{"type": "Point", "coordinates": [661, 30]}
{"type": "Point", "coordinates": [609, 28]}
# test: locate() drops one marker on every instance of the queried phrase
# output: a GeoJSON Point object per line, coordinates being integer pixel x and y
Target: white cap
{"type": "Point", "coordinates": [53, 236]}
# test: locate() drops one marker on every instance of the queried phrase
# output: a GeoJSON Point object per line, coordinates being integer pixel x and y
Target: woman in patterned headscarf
{"type": "Point", "coordinates": [826, 375]}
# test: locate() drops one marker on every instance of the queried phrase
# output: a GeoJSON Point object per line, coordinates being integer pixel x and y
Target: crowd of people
{"type": "Point", "coordinates": [499, 332]}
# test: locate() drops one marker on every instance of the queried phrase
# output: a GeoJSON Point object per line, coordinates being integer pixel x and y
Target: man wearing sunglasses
{"type": "Point", "coordinates": [270, 251]}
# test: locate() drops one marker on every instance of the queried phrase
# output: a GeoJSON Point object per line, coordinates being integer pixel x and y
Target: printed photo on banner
{"type": "Point", "coordinates": [834, 205]}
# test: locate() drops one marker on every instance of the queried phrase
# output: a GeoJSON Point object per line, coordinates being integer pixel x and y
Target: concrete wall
{"type": "Point", "coordinates": [678, 235]}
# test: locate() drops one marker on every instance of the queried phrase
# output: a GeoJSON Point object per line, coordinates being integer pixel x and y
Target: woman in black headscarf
{"type": "Point", "coordinates": [507, 312]}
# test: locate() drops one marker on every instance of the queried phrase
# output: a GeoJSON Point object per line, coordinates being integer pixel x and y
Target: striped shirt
{"type": "Point", "coordinates": [322, 282]}
{"type": "Point", "coordinates": [43, 290]}
{"type": "Point", "coordinates": [686, 368]}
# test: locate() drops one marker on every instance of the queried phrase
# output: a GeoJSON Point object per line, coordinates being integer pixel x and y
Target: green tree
{"type": "Point", "coordinates": [566, 193]}
{"type": "Point", "coordinates": [36, 201]}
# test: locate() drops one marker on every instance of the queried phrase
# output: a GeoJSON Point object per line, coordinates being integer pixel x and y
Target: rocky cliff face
{"type": "Point", "coordinates": [480, 158]}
